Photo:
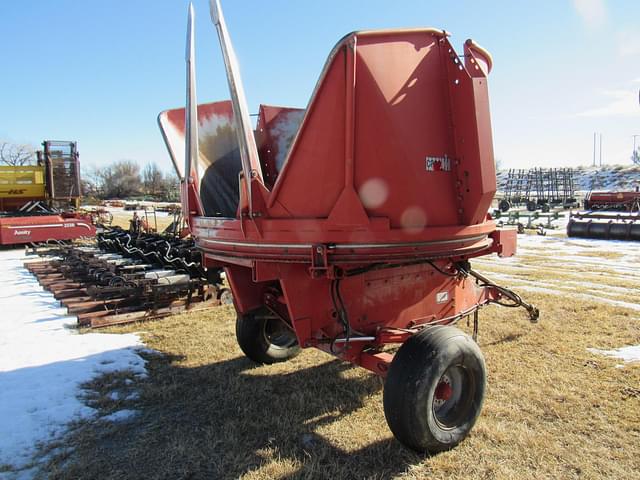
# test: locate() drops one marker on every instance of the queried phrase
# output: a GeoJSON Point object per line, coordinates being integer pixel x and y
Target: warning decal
{"type": "Point", "coordinates": [438, 164]}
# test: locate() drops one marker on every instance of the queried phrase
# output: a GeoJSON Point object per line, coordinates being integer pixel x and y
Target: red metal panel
{"type": "Point", "coordinates": [402, 126]}
{"type": "Point", "coordinates": [41, 228]}
{"type": "Point", "coordinates": [474, 162]}
{"type": "Point", "coordinates": [421, 143]}
{"type": "Point", "coordinates": [215, 131]}
{"type": "Point", "coordinates": [505, 240]}
{"type": "Point", "coordinates": [275, 131]}
{"type": "Point", "coordinates": [315, 165]}
{"type": "Point", "coordinates": [216, 139]}
{"type": "Point", "coordinates": [401, 297]}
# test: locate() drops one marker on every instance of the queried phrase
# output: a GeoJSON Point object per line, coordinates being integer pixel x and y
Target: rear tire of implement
{"type": "Point", "coordinates": [434, 389]}
{"type": "Point", "coordinates": [504, 205]}
{"type": "Point", "coordinates": [264, 338]}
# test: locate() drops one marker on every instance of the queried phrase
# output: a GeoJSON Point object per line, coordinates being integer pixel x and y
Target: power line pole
{"type": "Point", "coordinates": [594, 148]}
{"type": "Point", "coordinates": [601, 150]}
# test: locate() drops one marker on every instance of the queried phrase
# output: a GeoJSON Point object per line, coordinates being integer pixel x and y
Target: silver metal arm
{"type": "Point", "coordinates": [191, 110]}
{"type": "Point", "coordinates": [244, 131]}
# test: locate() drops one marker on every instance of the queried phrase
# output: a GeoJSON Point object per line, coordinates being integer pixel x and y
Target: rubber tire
{"type": "Point", "coordinates": [532, 206]}
{"type": "Point", "coordinates": [411, 383]}
{"type": "Point", "coordinates": [250, 333]}
{"type": "Point", "coordinates": [225, 296]}
{"type": "Point", "coordinates": [504, 205]}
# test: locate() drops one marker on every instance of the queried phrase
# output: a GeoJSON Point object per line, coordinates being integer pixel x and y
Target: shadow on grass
{"type": "Point", "coordinates": [227, 419]}
{"type": "Point", "coordinates": [511, 337]}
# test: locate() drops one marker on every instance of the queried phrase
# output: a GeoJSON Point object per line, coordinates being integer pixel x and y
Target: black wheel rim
{"type": "Point", "coordinates": [453, 397]}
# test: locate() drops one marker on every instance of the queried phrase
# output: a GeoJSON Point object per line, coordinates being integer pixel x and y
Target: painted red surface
{"type": "Point", "coordinates": [602, 200]}
{"type": "Point", "coordinates": [41, 228]}
{"type": "Point", "coordinates": [385, 189]}
{"type": "Point", "coordinates": [205, 112]}
{"type": "Point", "coordinates": [273, 125]}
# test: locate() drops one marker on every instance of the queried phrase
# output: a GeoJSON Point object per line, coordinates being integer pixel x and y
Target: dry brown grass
{"type": "Point", "coordinates": [607, 255]}
{"type": "Point", "coordinates": [553, 409]}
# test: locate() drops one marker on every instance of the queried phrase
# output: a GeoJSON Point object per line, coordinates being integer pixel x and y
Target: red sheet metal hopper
{"type": "Point", "coordinates": [349, 226]}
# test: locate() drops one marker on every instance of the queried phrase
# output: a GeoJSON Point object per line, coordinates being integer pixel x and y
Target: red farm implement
{"type": "Point", "coordinates": [38, 202]}
{"type": "Point", "coordinates": [350, 226]}
{"type": "Point", "coordinates": [608, 216]}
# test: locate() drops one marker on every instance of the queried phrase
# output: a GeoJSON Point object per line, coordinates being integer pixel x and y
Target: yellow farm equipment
{"type": "Point", "coordinates": [20, 184]}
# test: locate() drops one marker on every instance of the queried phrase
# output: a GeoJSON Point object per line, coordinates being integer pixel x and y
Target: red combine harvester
{"type": "Point", "coordinates": [349, 226]}
{"type": "Point", "coordinates": [37, 202]}
{"type": "Point", "coordinates": [609, 216]}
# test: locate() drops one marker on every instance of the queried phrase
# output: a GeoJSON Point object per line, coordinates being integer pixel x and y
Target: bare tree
{"type": "Point", "coordinates": [15, 155]}
{"type": "Point", "coordinates": [119, 180]}
{"type": "Point", "coordinates": [89, 188]}
{"type": "Point", "coordinates": [635, 157]}
{"type": "Point", "coordinates": [171, 187]}
{"type": "Point", "coordinates": [153, 180]}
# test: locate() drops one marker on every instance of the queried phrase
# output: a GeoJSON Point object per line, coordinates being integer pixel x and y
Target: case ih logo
{"type": "Point", "coordinates": [22, 232]}
{"type": "Point", "coordinates": [438, 164]}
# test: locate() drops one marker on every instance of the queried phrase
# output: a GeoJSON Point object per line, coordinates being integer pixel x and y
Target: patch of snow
{"type": "Point", "coordinates": [570, 286]}
{"type": "Point", "coordinates": [120, 416]}
{"type": "Point", "coordinates": [284, 132]}
{"type": "Point", "coordinates": [132, 396]}
{"type": "Point", "coordinates": [567, 246]}
{"type": "Point", "coordinates": [115, 395]}
{"type": "Point", "coordinates": [529, 288]}
{"type": "Point", "coordinates": [627, 354]}
{"type": "Point", "coordinates": [609, 301]}
{"type": "Point", "coordinates": [586, 296]}
{"type": "Point", "coordinates": [603, 288]}
{"type": "Point", "coordinates": [43, 363]}
{"type": "Point", "coordinates": [607, 177]}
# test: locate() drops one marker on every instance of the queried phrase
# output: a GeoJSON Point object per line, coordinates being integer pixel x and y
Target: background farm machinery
{"type": "Point", "coordinates": [539, 189]}
{"type": "Point", "coordinates": [543, 194]}
{"type": "Point", "coordinates": [39, 202]}
{"type": "Point", "coordinates": [129, 276]}
{"type": "Point", "coordinates": [609, 216]}
{"type": "Point", "coordinates": [536, 221]}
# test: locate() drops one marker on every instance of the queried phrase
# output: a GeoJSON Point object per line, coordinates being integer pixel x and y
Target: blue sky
{"type": "Point", "coordinates": [100, 71]}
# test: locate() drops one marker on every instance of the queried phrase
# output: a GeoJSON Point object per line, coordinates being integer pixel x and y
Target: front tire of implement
{"type": "Point", "coordinates": [264, 338]}
{"type": "Point", "coordinates": [434, 389]}
{"type": "Point", "coordinates": [225, 296]}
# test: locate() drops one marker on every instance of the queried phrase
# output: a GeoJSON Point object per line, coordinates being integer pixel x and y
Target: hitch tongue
{"type": "Point", "coordinates": [532, 310]}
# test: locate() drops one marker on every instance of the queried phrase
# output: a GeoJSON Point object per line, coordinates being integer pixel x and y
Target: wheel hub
{"type": "Point", "coordinates": [452, 397]}
{"type": "Point", "coordinates": [443, 392]}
